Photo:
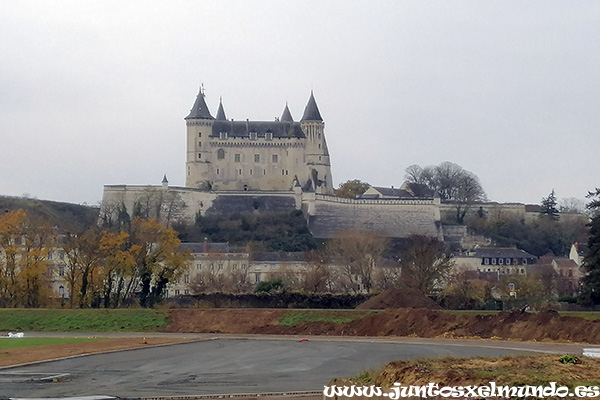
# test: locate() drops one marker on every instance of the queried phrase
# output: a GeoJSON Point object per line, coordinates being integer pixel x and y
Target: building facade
{"type": "Point", "coordinates": [225, 155]}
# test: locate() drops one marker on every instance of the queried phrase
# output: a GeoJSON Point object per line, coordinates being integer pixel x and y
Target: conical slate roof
{"type": "Point", "coordinates": [199, 109]}
{"type": "Point", "coordinates": [311, 112]}
{"type": "Point", "coordinates": [287, 115]}
{"type": "Point", "coordinates": [220, 112]}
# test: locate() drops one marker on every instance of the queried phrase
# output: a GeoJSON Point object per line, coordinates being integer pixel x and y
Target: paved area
{"type": "Point", "coordinates": [228, 366]}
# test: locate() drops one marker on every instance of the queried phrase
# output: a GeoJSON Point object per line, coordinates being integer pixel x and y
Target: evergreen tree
{"type": "Point", "coordinates": [591, 282]}
{"type": "Point", "coordinates": [549, 206]}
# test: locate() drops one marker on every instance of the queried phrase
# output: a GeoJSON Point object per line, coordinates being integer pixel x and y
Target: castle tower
{"type": "Point", "coordinates": [199, 124]}
{"type": "Point", "coordinates": [316, 152]}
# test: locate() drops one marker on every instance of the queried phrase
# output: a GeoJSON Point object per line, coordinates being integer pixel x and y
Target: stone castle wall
{"type": "Point", "coordinates": [327, 215]}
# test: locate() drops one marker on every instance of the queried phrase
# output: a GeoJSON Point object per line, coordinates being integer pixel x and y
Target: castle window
{"type": "Point", "coordinates": [501, 261]}
{"type": "Point", "coordinates": [493, 261]}
{"type": "Point", "coordinates": [61, 270]}
{"type": "Point", "coordinates": [198, 266]}
{"type": "Point", "coordinates": [187, 291]}
{"type": "Point", "coordinates": [220, 154]}
{"type": "Point", "coordinates": [253, 135]}
{"type": "Point", "coordinates": [186, 279]}
{"type": "Point", "coordinates": [240, 171]}
{"type": "Point", "coordinates": [222, 135]}
{"type": "Point", "coordinates": [236, 158]}
{"type": "Point", "coordinates": [199, 144]}
{"type": "Point", "coordinates": [269, 136]}
{"type": "Point", "coordinates": [199, 134]}
{"type": "Point", "coordinates": [218, 171]}
{"type": "Point", "coordinates": [275, 158]}
{"type": "Point", "coordinates": [199, 156]}
{"type": "Point", "coordinates": [250, 171]}
{"type": "Point", "coordinates": [257, 158]}
{"type": "Point", "coordinates": [264, 171]}
{"type": "Point", "coordinates": [508, 261]}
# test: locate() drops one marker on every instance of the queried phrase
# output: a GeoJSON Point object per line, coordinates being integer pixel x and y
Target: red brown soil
{"type": "Point", "coordinates": [399, 298]}
{"type": "Point", "coordinates": [543, 326]}
{"type": "Point", "coordinates": [32, 354]}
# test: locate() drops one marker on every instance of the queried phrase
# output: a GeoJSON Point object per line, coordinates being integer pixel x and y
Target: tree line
{"type": "Point", "coordinates": [101, 267]}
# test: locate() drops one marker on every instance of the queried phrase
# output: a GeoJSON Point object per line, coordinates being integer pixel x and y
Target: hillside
{"type": "Point", "coordinates": [63, 215]}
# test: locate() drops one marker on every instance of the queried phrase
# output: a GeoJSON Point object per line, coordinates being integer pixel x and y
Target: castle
{"type": "Point", "coordinates": [248, 155]}
{"type": "Point", "coordinates": [262, 166]}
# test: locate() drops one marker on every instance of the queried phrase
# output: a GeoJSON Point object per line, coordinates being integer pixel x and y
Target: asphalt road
{"type": "Point", "coordinates": [223, 366]}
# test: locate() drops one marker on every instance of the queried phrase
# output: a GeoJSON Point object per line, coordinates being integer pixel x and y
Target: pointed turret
{"type": "Point", "coordinates": [286, 116]}
{"type": "Point", "coordinates": [199, 109]}
{"type": "Point", "coordinates": [220, 112]}
{"type": "Point", "coordinates": [311, 112]}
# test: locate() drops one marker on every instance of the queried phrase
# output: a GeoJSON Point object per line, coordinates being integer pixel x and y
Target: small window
{"type": "Point", "coordinates": [237, 157]}
{"type": "Point", "coordinates": [486, 261]}
{"type": "Point", "coordinates": [234, 266]}
{"type": "Point", "coordinates": [199, 156]}
{"type": "Point", "coordinates": [61, 270]}
{"type": "Point", "coordinates": [49, 255]}
{"type": "Point", "coordinates": [61, 255]}
{"type": "Point", "coordinates": [199, 134]}
{"type": "Point", "coordinates": [186, 279]}
{"type": "Point", "coordinates": [269, 136]}
{"type": "Point", "coordinates": [501, 261]}
{"type": "Point", "coordinates": [253, 135]}
{"type": "Point", "coordinates": [257, 158]}
{"type": "Point", "coordinates": [493, 261]}
{"type": "Point", "coordinates": [244, 266]}
{"type": "Point", "coordinates": [198, 266]}
{"type": "Point", "coordinates": [275, 158]}
{"type": "Point", "coordinates": [508, 261]}
{"type": "Point", "coordinates": [250, 171]}
{"type": "Point", "coordinates": [218, 171]}
{"type": "Point", "coordinates": [176, 292]}
{"type": "Point", "coordinates": [199, 144]}
{"type": "Point", "coordinates": [187, 291]}
{"type": "Point", "coordinates": [257, 275]}
{"type": "Point", "coordinates": [524, 261]}
{"type": "Point", "coordinates": [223, 135]}
{"type": "Point", "coordinates": [220, 154]}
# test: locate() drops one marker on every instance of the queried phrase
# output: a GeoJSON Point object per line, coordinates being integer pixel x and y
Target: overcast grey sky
{"type": "Point", "coordinates": [95, 92]}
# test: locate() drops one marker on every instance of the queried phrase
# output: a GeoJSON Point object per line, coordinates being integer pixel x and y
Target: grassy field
{"type": "Point", "coordinates": [6, 343]}
{"type": "Point", "coordinates": [294, 317]}
{"type": "Point", "coordinates": [58, 320]}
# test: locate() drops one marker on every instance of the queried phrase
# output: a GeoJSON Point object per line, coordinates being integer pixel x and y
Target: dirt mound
{"type": "Point", "coordinates": [399, 298]}
{"type": "Point", "coordinates": [543, 326]}
{"type": "Point", "coordinates": [224, 320]}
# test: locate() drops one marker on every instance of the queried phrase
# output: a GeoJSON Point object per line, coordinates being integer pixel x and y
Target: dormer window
{"type": "Point", "coordinates": [269, 136]}
{"type": "Point", "coordinates": [253, 135]}
{"type": "Point", "coordinates": [222, 135]}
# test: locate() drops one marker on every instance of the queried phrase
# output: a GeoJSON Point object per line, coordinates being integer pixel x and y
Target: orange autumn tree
{"type": "Point", "coordinates": [24, 246]}
{"type": "Point", "coordinates": [158, 258]}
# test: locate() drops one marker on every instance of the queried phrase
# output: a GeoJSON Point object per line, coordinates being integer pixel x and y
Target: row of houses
{"type": "Point", "coordinates": [219, 265]}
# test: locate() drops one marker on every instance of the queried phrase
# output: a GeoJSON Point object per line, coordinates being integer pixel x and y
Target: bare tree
{"type": "Point", "coordinates": [426, 263]}
{"type": "Point", "coordinates": [453, 184]}
{"type": "Point", "coordinates": [357, 254]}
